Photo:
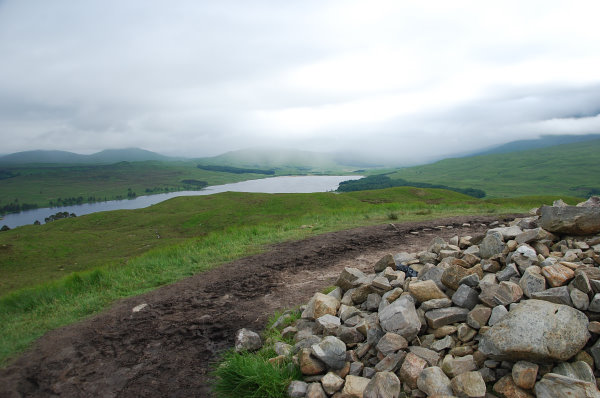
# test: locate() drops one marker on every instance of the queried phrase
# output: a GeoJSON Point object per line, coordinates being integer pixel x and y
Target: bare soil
{"type": "Point", "coordinates": [166, 349]}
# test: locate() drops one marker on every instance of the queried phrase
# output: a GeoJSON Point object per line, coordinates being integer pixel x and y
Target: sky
{"type": "Point", "coordinates": [409, 81]}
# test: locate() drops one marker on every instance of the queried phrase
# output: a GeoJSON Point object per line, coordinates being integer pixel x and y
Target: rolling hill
{"type": "Point", "coordinates": [571, 169]}
{"type": "Point", "coordinates": [107, 156]}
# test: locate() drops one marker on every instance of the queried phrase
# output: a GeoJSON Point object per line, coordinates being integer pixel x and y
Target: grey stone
{"type": "Point", "coordinates": [315, 390]}
{"type": "Point", "coordinates": [582, 282]}
{"type": "Point", "coordinates": [465, 297]}
{"type": "Point", "coordinates": [557, 295]}
{"type": "Point", "coordinates": [435, 304]}
{"type": "Point", "coordinates": [537, 330]}
{"type": "Point", "coordinates": [297, 389]}
{"type": "Point", "coordinates": [390, 343]}
{"type": "Point", "coordinates": [570, 220]}
{"type": "Point", "coordinates": [532, 281]}
{"type": "Point", "coordinates": [525, 256]}
{"type": "Point", "coordinates": [384, 262]}
{"type": "Point", "coordinates": [507, 272]}
{"type": "Point", "coordinates": [595, 303]}
{"type": "Point", "coordinates": [479, 316]}
{"type": "Point", "coordinates": [524, 374]}
{"type": "Point", "coordinates": [381, 283]}
{"type": "Point", "coordinates": [247, 340]}
{"type": "Point", "coordinates": [470, 280]}
{"type": "Point", "coordinates": [498, 312]}
{"type": "Point", "coordinates": [331, 351]}
{"type": "Point", "coordinates": [348, 277]}
{"type": "Point", "coordinates": [430, 356]}
{"type": "Point", "coordinates": [282, 348]}
{"type": "Point", "coordinates": [368, 372]}
{"type": "Point", "coordinates": [390, 362]}
{"type": "Point", "coordinates": [507, 293]}
{"type": "Point", "coordinates": [328, 323]}
{"type": "Point", "coordinates": [580, 300]}
{"type": "Point", "coordinates": [554, 385]}
{"type": "Point", "coordinates": [401, 317]}
{"type": "Point", "coordinates": [443, 344]}
{"type": "Point", "coordinates": [469, 384]}
{"type": "Point", "coordinates": [576, 370]}
{"type": "Point", "coordinates": [356, 368]}
{"type": "Point", "coordinates": [508, 232]}
{"type": "Point", "coordinates": [350, 335]}
{"type": "Point", "coordinates": [532, 235]}
{"type": "Point", "coordinates": [433, 381]}
{"type": "Point", "coordinates": [373, 301]}
{"type": "Point", "coordinates": [445, 316]}
{"type": "Point", "coordinates": [491, 245]}
{"type": "Point", "coordinates": [595, 353]}
{"type": "Point", "coordinates": [455, 366]}
{"type": "Point", "coordinates": [332, 383]}
{"type": "Point", "coordinates": [383, 385]}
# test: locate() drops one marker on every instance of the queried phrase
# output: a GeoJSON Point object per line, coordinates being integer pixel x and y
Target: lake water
{"type": "Point", "coordinates": [285, 184]}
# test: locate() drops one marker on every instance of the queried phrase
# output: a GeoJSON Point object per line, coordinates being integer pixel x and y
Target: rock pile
{"type": "Point", "coordinates": [513, 313]}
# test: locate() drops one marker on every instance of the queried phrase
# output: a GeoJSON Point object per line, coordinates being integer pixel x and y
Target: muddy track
{"type": "Point", "coordinates": [166, 349]}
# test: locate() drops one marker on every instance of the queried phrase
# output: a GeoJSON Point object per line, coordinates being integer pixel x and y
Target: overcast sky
{"type": "Point", "coordinates": [410, 80]}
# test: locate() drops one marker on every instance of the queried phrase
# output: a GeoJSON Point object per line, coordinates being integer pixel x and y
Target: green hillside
{"type": "Point", "coordinates": [107, 156]}
{"type": "Point", "coordinates": [571, 170]}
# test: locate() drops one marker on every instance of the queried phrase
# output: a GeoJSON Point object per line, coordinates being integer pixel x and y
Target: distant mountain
{"type": "Point", "coordinates": [570, 169]}
{"type": "Point", "coordinates": [544, 141]}
{"type": "Point", "coordinates": [278, 158]}
{"type": "Point", "coordinates": [62, 157]}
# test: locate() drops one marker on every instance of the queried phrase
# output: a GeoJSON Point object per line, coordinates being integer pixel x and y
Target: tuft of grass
{"type": "Point", "coordinates": [392, 215]}
{"type": "Point", "coordinates": [251, 375]}
{"type": "Point", "coordinates": [328, 289]}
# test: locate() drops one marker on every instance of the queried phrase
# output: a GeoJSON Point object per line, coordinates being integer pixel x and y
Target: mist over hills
{"type": "Point", "coordinates": [106, 156]}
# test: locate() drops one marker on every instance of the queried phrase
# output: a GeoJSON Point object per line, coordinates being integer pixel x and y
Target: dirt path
{"type": "Point", "coordinates": [166, 349]}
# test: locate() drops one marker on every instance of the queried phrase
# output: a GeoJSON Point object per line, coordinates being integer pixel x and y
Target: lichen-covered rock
{"type": "Point", "coordinates": [247, 340]}
{"type": "Point", "coordinates": [538, 331]}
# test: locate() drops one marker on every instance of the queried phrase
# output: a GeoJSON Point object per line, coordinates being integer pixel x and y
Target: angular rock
{"type": "Point", "coordinates": [525, 256]}
{"type": "Point", "coordinates": [430, 356]}
{"type": "Point", "coordinates": [435, 304]}
{"type": "Point", "coordinates": [557, 295]}
{"type": "Point", "coordinates": [508, 232]}
{"type": "Point", "coordinates": [425, 291]}
{"type": "Point", "coordinates": [332, 383]}
{"type": "Point", "coordinates": [349, 335]}
{"type": "Point", "coordinates": [492, 244]}
{"type": "Point", "coordinates": [297, 389]}
{"type": "Point", "coordinates": [524, 374]}
{"type": "Point", "coordinates": [383, 385]}
{"type": "Point", "coordinates": [315, 390]}
{"type": "Point", "coordinates": [465, 297]}
{"type": "Point", "coordinates": [348, 277]}
{"type": "Point", "coordinates": [390, 362]}
{"type": "Point", "coordinates": [381, 284]}
{"type": "Point", "coordinates": [469, 384]}
{"type": "Point", "coordinates": [465, 333]}
{"type": "Point", "coordinates": [571, 220]}
{"type": "Point", "coordinates": [331, 351]}
{"type": "Point", "coordinates": [328, 323]}
{"type": "Point", "coordinates": [580, 300]}
{"type": "Point", "coordinates": [454, 366]}
{"type": "Point", "coordinates": [595, 303]}
{"type": "Point", "coordinates": [576, 370]}
{"type": "Point", "coordinates": [445, 316]}
{"type": "Point", "coordinates": [309, 365]}
{"type": "Point", "coordinates": [355, 386]}
{"type": "Point", "coordinates": [401, 317]}
{"type": "Point", "coordinates": [478, 316]}
{"type": "Point", "coordinates": [453, 274]}
{"type": "Point", "coordinates": [383, 263]}
{"type": "Point", "coordinates": [507, 293]}
{"type": "Point", "coordinates": [533, 235]}
{"type": "Point", "coordinates": [506, 387]}
{"type": "Point", "coordinates": [470, 280]}
{"type": "Point", "coordinates": [510, 271]}
{"type": "Point", "coordinates": [582, 282]}
{"type": "Point", "coordinates": [360, 294]}
{"type": "Point", "coordinates": [373, 302]}
{"type": "Point", "coordinates": [498, 312]}
{"type": "Point", "coordinates": [391, 343]}
{"type": "Point", "coordinates": [411, 369]}
{"type": "Point", "coordinates": [247, 340]}
{"type": "Point", "coordinates": [538, 331]}
{"type": "Point", "coordinates": [433, 381]}
{"type": "Point", "coordinates": [321, 304]}
{"type": "Point", "coordinates": [554, 385]}
{"type": "Point", "coordinates": [557, 274]}
{"type": "Point", "coordinates": [443, 344]}
{"type": "Point", "coordinates": [532, 281]}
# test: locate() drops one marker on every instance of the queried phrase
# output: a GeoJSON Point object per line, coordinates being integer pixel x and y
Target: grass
{"type": "Point", "coordinates": [246, 374]}
{"type": "Point", "coordinates": [61, 272]}
{"type": "Point", "coordinates": [571, 170]}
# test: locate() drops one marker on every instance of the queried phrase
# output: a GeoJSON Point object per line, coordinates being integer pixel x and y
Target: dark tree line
{"type": "Point", "coordinates": [381, 181]}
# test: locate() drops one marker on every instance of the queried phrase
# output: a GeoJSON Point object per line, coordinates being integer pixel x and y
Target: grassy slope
{"type": "Point", "coordinates": [558, 170]}
{"type": "Point", "coordinates": [41, 184]}
{"type": "Point", "coordinates": [122, 256]}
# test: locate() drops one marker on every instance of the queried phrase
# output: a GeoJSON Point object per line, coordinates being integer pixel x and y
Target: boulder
{"type": "Point", "coordinates": [331, 351]}
{"type": "Point", "coordinates": [491, 245]}
{"type": "Point", "coordinates": [538, 331]}
{"type": "Point", "coordinates": [570, 220]}
{"type": "Point", "coordinates": [321, 304]}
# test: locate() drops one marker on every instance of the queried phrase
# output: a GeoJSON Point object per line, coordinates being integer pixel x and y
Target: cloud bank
{"type": "Point", "coordinates": [394, 80]}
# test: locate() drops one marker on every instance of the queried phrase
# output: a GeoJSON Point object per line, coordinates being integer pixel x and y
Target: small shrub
{"type": "Point", "coordinates": [252, 376]}
{"type": "Point", "coordinates": [423, 212]}
{"type": "Point", "coordinates": [392, 216]}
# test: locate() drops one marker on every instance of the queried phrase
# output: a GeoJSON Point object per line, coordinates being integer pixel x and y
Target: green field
{"type": "Point", "coordinates": [571, 169]}
{"type": "Point", "coordinates": [60, 272]}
